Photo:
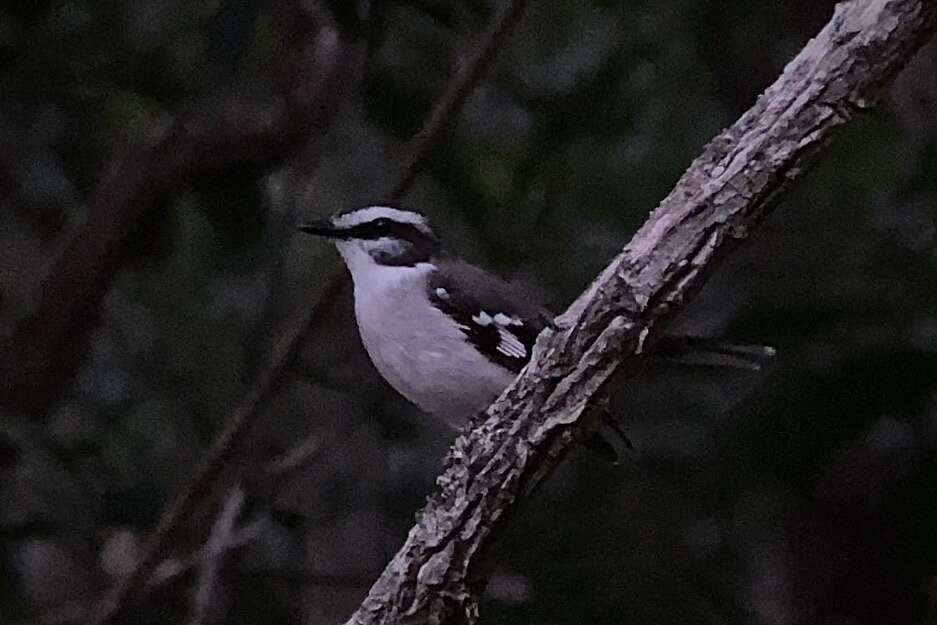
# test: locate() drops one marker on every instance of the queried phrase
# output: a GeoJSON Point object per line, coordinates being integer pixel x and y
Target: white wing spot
{"type": "Point", "coordinates": [510, 345]}
{"type": "Point", "coordinates": [483, 319]}
{"type": "Point", "coordinates": [503, 320]}
{"type": "Point", "coordinates": [442, 293]}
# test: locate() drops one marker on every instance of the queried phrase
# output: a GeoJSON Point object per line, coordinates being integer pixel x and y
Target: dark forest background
{"type": "Point", "coordinates": [801, 493]}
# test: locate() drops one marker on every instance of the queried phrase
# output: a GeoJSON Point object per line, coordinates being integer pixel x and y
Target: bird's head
{"type": "Point", "coordinates": [378, 235]}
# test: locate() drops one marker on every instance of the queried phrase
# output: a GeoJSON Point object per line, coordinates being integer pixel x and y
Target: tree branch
{"type": "Point", "coordinates": [724, 193]}
{"type": "Point", "coordinates": [456, 93]}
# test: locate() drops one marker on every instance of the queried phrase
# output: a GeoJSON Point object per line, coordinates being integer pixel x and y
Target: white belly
{"type": "Point", "coordinates": [422, 354]}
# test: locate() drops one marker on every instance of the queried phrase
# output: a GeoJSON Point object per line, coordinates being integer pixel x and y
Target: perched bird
{"type": "Point", "coordinates": [446, 334]}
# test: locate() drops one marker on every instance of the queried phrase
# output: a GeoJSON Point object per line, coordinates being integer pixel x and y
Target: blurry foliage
{"type": "Point", "coordinates": [803, 493]}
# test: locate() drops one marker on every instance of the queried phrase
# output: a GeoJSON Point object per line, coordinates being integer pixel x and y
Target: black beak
{"type": "Point", "coordinates": [322, 228]}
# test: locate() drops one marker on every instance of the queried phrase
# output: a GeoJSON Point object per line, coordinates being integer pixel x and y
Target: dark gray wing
{"type": "Point", "coordinates": [500, 320]}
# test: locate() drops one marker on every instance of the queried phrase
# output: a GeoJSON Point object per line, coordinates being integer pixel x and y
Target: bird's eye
{"type": "Point", "coordinates": [383, 224]}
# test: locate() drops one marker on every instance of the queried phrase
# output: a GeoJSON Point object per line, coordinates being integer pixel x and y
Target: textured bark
{"type": "Point", "coordinates": [723, 194]}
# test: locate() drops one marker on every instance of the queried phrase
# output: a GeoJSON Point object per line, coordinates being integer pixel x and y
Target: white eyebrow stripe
{"type": "Point", "coordinates": [370, 213]}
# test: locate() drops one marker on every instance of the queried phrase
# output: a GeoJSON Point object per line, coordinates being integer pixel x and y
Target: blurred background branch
{"type": "Point", "coordinates": [248, 126]}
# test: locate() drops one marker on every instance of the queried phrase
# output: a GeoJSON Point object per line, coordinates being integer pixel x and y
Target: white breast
{"type": "Point", "coordinates": [417, 348]}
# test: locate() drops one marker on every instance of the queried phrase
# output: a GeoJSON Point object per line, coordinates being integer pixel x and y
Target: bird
{"type": "Point", "coordinates": [444, 333]}
{"type": "Point", "coordinates": [447, 335]}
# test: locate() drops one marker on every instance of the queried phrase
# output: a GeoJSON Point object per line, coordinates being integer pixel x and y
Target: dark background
{"type": "Point", "coordinates": [803, 493]}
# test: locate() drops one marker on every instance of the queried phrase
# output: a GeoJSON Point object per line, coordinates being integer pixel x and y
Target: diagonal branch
{"type": "Point", "coordinates": [723, 194]}
{"type": "Point", "coordinates": [456, 93]}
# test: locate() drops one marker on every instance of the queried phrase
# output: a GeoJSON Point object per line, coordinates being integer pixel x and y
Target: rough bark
{"type": "Point", "coordinates": [724, 193]}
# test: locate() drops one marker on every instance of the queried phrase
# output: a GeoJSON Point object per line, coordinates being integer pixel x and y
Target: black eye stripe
{"type": "Point", "coordinates": [418, 245]}
{"type": "Point", "coordinates": [388, 228]}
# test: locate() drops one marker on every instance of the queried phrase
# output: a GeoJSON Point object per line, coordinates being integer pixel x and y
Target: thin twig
{"type": "Point", "coordinates": [295, 457]}
{"type": "Point", "coordinates": [220, 451]}
{"type": "Point", "coordinates": [219, 543]}
{"type": "Point", "coordinates": [458, 90]}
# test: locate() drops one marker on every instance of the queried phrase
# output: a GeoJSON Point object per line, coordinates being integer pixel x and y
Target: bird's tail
{"type": "Point", "coordinates": [706, 352]}
{"type": "Point", "coordinates": [687, 350]}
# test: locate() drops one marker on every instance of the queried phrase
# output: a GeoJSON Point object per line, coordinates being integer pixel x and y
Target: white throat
{"type": "Point", "coordinates": [420, 351]}
{"type": "Point", "coordinates": [371, 277]}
